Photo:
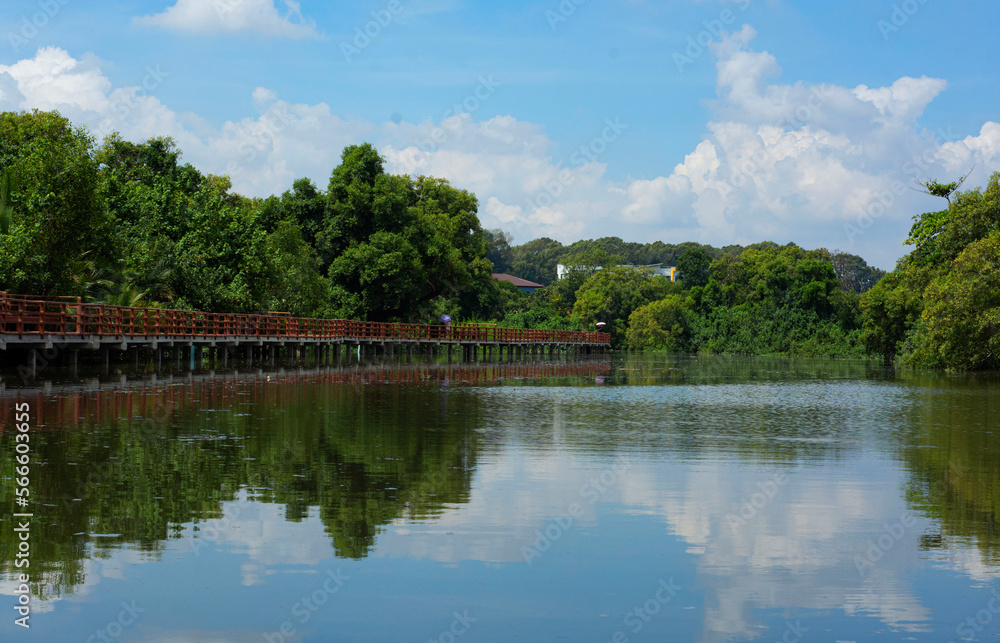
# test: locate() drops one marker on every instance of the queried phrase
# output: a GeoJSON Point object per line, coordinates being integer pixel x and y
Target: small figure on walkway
{"type": "Point", "coordinates": [446, 320]}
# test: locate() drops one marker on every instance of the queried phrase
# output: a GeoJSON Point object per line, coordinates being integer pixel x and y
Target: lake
{"type": "Point", "coordinates": [622, 498]}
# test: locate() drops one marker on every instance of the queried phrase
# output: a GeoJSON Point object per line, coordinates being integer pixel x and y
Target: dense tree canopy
{"type": "Point", "coordinates": [129, 223]}
{"type": "Point", "coordinates": [612, 294]}
{"type": "Point", "coordinates": [53, 176]}
{"type": "Point", "coordinates": [939, 308]}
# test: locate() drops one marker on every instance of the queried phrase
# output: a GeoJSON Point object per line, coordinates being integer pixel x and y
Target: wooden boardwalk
{"type": "Point", "coordinates": [68, 325]}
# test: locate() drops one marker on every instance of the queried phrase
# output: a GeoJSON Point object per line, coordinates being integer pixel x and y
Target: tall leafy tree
{"type": "Point", "coordinates": [53, 213]}
{"type": "Point", "coordinates": [166, 212]}
{"type": "Point", "coordinates": [934, 309]}
{"type": "Point", "coordinates": [401, 248]}
{"type": "Point", "coordinates": [961, 318]}
{"type": "Point", "coordinates": [693, 267]}
{"type": "Point", "coordinates": [536, 260]}
{"type": "Point", "coordinates": [498, 249]}
{"type": "Point", "coordinates": [612, 294]}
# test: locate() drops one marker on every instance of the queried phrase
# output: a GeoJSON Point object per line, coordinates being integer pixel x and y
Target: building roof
{"type": "Point", "coordinates": [517, 281]}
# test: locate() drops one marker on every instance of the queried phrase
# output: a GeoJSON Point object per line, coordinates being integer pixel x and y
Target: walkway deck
{"type": "Point", "coordinates": [69, 324]}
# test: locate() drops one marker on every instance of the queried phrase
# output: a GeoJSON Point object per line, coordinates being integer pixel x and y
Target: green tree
{"type": "Point", "coordinates": [890, 310]}
{"type": "Point", "coordinates": [9, 183]}
{"type": "Point", "coordinates": [693, 267]}
{"type": "Point", "coordinates": [961, 316]}
{"type": "Point", "coordinates": [53, 213]}
{"type": "Point", "coordinates": [498, 249]}
{"type": "Point", "coordinates": [659, 325]}
{"type": "Point", "coordinates": [943, 190]}
{"type": "Point", "coordinates": [363, 200]}
{"type": "Point", "coordinates": [940, 237]}
{"type": "Point", "coordinates": [612, 294]}
{"type": "Point", "coordinates": [403, 249]}
{"type": "Point", "coordinates": [304, 204]}
{"type": "Point", "coordinates": [296, 284]}
{"type": "Point", "coordinates": [536, 260]}
{"type": "Point", "coordinates": [854, 272]}
{"type": "Point", "coordinates": [928, 310]}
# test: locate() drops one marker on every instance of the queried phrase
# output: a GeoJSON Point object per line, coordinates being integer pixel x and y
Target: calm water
{"type": "Point", "coordinates": [636, 499]}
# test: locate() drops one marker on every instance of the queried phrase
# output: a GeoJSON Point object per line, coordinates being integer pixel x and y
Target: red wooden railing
{"type": "Point", "coordinates": [66, 317]}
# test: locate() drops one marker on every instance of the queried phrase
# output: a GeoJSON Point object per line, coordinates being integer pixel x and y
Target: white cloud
{"type": "Point", "coordinates": [219, 16]}
{"type": "Point", "coordinates": [818, 164]}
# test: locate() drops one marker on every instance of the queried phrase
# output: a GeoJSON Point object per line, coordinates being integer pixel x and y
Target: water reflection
{"type": "Point", "coordinates": [131, 463]}
{"type": "Point", "coordinates": [781, 496]}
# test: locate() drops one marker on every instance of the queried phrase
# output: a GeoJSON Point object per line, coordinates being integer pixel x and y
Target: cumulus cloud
{"type": "Point", "coordinates": [819, 164]}
{"type": "Point", "coordinates": [220, 16]}
{"type": "Point", "coordinates": [262, 153]}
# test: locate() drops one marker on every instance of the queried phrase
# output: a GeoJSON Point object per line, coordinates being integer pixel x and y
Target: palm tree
{"type": "Point", "coordinates": [147, 288]}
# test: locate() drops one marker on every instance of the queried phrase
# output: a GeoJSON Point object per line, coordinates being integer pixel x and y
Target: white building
{"type": "Point", "coordinates": [658, 269]}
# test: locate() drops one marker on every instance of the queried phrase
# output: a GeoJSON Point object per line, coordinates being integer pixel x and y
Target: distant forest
{"type": "Point", "coordinates": [536, 260]}
{"type": "Point", "coordinates": [129, 224]}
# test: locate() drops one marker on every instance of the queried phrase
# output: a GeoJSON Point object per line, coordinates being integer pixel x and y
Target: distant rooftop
{"type": "Point", "coordinates": [517, 281]}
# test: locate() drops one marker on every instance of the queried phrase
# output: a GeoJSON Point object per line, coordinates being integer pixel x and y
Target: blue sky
{"type": "Point", "coordinates": [714, 121]}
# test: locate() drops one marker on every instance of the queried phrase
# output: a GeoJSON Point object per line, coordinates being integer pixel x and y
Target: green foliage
{"type": "Point", "coordinates": [890, 309]}
{"type": "Point", "coordinates": [772, 300]}
{"type": "Point", "coordinates": [536, 260]}
{"type": "Point", "coordinates": [51, 211]}
{"type": "Point", "coordinates": [693, 267]}
{"type": "Point", "coordinates": [403, 249]}
{"type": "Point", "coordinates": [377, 276]}
{"type": "Point", "coordinates": [498, 250]}
{"type": "Point", "coordinates": [943, 190]}
{"type": "Point", "coordinates": [612, 294]}
{"type": "Point", "coordinates": [660, 325]}
{"type": "Point", "coordinates": [854, 273]}
{"type": "Point", "coordinates": [961, 316]}
{"type": "Point", "coordinates": [937, 308]}
{"type": "Point", "coordinates": [129, 223]}
{"type": "Point", "coordinates": [297, 286]}
{"type": "Point", "coordinates": [304, 204]}
{"type": "Point", "coordinates": [9, 183]}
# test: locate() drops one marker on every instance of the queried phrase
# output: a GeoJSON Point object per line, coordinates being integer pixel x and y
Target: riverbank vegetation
{"type": "Point", "coordinates": [130, 224]}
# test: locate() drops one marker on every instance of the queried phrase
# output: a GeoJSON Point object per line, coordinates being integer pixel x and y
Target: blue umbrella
{"type": "Point", "coordinates": [445, 319]}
